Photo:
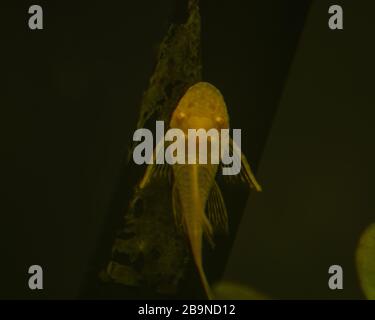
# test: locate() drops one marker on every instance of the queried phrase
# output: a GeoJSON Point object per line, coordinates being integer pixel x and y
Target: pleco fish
{"type": "Point", "coordinates": [195, 190]}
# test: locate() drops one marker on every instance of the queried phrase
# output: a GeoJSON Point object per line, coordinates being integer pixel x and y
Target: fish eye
{"type": "Point", "coordinates": [219, 120]}
{"type": "Point", "coordinates": [181, 115]}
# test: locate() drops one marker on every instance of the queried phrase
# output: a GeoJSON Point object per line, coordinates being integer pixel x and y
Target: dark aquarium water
{"type": "Point", "coordinates": [81, 219]}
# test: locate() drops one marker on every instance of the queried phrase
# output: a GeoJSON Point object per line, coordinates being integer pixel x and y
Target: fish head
{"type": "Point", "coordinates": [201, 107]}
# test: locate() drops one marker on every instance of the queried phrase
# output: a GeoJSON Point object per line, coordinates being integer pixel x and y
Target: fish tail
{"type": "Point", "coordinates": [196, 248]}
{"type": "Point", "coordinates": [206, 285]}
{"type": "Point", "coordinates": [195, 221]}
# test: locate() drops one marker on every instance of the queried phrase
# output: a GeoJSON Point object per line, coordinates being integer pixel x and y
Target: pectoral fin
{"type": "Point", "coordinates": [216, 210]}
{"type": "Point", "coordinates": [245, 174]}
{"type": "Point", "coordinates": [156, 170]}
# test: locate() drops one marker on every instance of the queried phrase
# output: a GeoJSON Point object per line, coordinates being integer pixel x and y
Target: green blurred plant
{"type": "Point", "coordinates": [365, 259]}
{"type": "Point", "coordinates": [227, 290]}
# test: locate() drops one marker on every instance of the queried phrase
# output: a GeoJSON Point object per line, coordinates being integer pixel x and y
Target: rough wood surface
{"type": "Point", "coordinates": [149, 252]}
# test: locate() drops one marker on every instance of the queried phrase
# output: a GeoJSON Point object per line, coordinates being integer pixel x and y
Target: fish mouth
{"type": "Point", "coordinates": [196, 123]}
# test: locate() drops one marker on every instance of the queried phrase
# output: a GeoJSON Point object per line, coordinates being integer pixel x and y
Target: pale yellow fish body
{"type": "Point", "coordinates": [194, 187]}
{"type": "Point", "coordinates": [202, 107]}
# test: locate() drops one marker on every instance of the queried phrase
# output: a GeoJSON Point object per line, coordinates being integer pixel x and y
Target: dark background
{"type": "Point", "coordinates": [69, 106]}
{"type": "Point", "coordinates": [317, 167]}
